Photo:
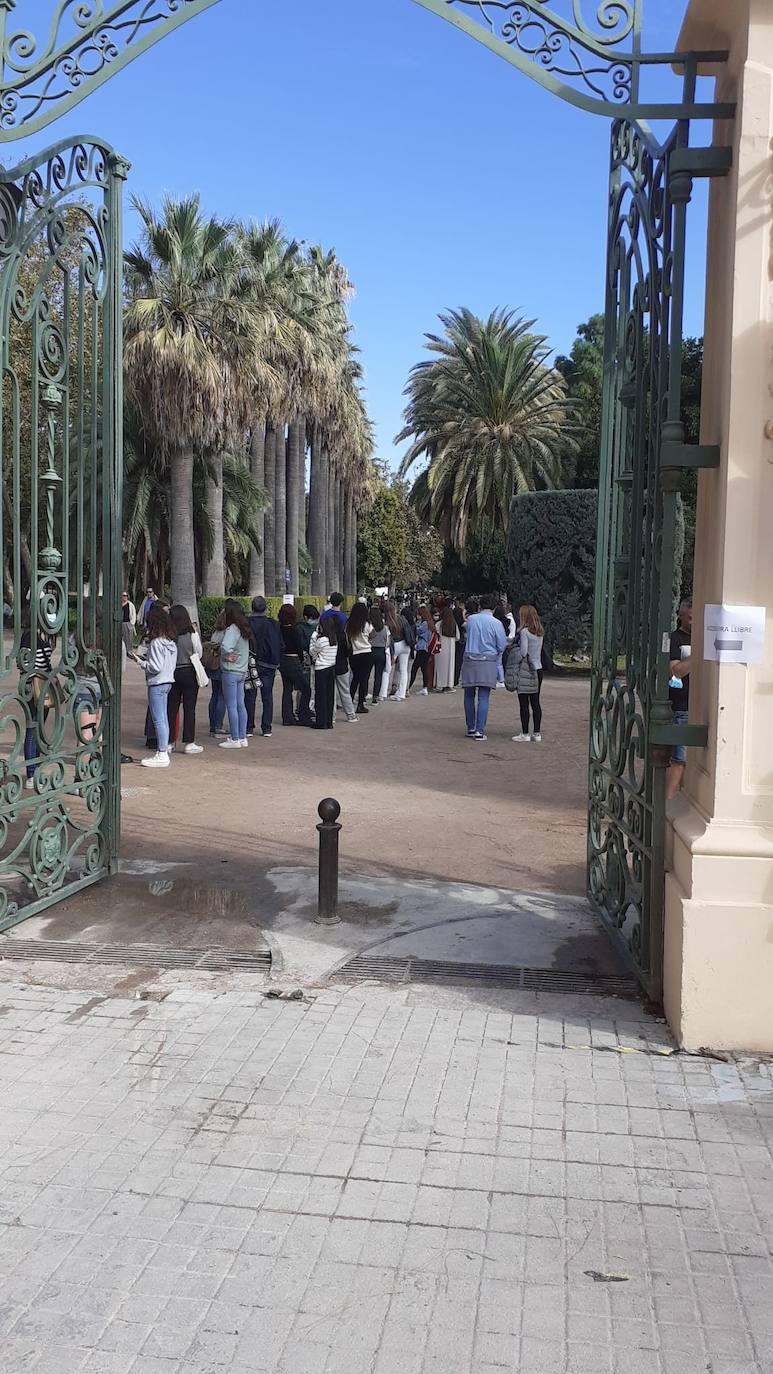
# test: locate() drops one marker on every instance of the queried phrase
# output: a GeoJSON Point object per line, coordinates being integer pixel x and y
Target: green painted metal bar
{"type": "Point", "coordinates": [689, 456]}
{"type": "Point", "coordinates": [693, 736]}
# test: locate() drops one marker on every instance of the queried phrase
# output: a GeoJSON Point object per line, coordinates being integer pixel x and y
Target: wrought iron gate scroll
{"type": "Point", "coordinates": [61, 478]}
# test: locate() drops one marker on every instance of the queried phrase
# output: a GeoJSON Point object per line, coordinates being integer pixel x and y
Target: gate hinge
{"type": "Point", "coordinates": [692, 736]}
{"type": "Point", "coordinates": [702, 162]}
{"type": "Point", "coordinates": [689, 455]}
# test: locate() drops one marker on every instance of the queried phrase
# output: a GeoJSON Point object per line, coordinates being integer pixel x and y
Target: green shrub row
{"type": "Point", "coordinates": [211, 606]}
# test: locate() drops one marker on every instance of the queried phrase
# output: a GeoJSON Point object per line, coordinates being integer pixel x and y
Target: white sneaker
{"type": "Point", "coordinates": [29, 785]}
{"type": "Point", "coordinates": [479, 735]}
{"type": "Point", "coordinates": [521, 739]}
{"type": "Point", "coordinates": [193, 749]}
{"type": "Point", "coordinates": [159, 760]}
{"type": "Point", "coordinates": [537, 739]}
{"type": "Point", "coordinates": [423, 692]}
{"type": "Point", "coordinates": [229, 744]}
{"type": "Point", "coordinates": [244, 744]}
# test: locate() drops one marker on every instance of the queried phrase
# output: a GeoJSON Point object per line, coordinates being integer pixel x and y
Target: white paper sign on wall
{"type": "Point", "coordinates": [734, 634]}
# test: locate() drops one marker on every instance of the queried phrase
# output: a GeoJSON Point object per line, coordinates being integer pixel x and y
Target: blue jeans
{"type": "Point", "coordinates": [157, 696]}
{"type": "Point", "coordinates": [476, 718]}
{"type": "Point", "coordinates": [233, 691]}
{"type": "Point", "coordinates": [679, 751]}
{"type": "Point", "coordinates": [216, 705]}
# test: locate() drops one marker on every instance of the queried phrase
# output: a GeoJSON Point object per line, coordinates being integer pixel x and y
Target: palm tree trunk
{"type": "Point", "coordinates": [294, 499]}
{"type": "Point", "coordinates": [280, 508]}
{"type": "Point", "coordinates": [257, 575]}
{"type": "Point", "coordinates": [317, 512]}
{"type": "Point", "coordinates": [182, 549]}
{"type": "Point", "coordinates": [213, 571]}
{"type": "Point", "coordinates": [268, 523]}
{"type": "Point", "coordinates": [330, 542]}
{"type": "Point", "coordinates": [355, 569]}
{"type": "Point", "coordinates": [340, 506]}
{"type": "Point", "coordinates": [350, 576]}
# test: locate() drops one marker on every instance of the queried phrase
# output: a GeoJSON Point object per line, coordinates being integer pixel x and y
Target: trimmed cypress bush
{"type": "Point", "coordinates": [552, 558]}
{"type": "Point", "coordinates": [551, 554]}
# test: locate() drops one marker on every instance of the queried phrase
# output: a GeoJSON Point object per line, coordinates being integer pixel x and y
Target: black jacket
{"type": "Point", "coordinates": [268, 640]}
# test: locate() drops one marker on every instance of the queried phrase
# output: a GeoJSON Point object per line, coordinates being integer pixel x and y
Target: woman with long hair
{"type": "Point", "coordinates": [159, 666]}
{"type": "Point", "coordinates": [235, 661]}
{"type": "Point", "coordinates": [425, 629]}
{"type": "Point", "coordinates": [446, 659]}
{"type": "Point", "coordinates": [323, 650]}
{"type": "Point", "coordinates": [379, 643]}
{"type": "Point", "coordinates": [400, 635]}
{"type": "Point", "coordinates": [217, 700]}
{"type": "Point", "coordinates": [359, 630]}
{"type": "Point", "coordinates": [294, 678]}
{"type": "Point", "coordinates": [524, 669]}
{"type": "Point", "coordinates": [185, 687]}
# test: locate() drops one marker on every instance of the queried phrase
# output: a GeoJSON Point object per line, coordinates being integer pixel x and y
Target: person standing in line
{"type": "Point", "coordinates": [235, 662]}
{"type": "Point", "coordinates": [323, 650]}
{"type": "Point", "coordinates": [511, 626]}
{"type": "Point", "coordinates": [446, 659]}
{"type": "Point", "coordinates": [425, 629]}
{"type": "Point", "coordinates": [501, 615]}
{"type": "Point", "coordinates": [379, 643]}
{"type": "Point", "coordinates": [185, 687]}
{"type": "Point", "coordinates": [680, 650]}
{"type": "Point", "coordinates": [128, 622]}
{"type": "Point", "coordinates": [359, 630]}
{"type": "Point", "coordinates": [342, 671]}
{"type": "Point", "coordinates": [291, 668]}
{"type": "Point", "coordinates": [334, 607]}
{"type": "Point", "coordinates": [146, 607]}
{"type": "Point", "coordinates": [400, 633]}
{"type": "Point", "coordinates": [485, 644]}
{"type": "Point", "coordinates": [217, 700]}
{"type": "Point", "coordinates": [34, 744]}
{"type": "Point", "coordinates": [524, 670]}
{"type": "Point", "coordinates": [461, 623]}
{"type": "Point", "coordinates": [159, 666]}
{"type": "Point", "coordinates": [306, 627]}
{"type": "Point", "coordinates": [267, 642]}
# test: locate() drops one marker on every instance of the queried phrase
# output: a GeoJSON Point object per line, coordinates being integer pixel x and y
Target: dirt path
{"type": "Point", "coordinates": [418, 798]}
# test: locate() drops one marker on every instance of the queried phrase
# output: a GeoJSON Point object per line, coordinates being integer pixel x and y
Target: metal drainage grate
{"type": "Point", "coordinates": [137, 956]}
{"type": "Point", "coordinates": [389, 969]}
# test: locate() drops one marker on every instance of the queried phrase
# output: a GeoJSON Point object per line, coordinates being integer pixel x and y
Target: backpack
{"type": "Point", "coordinates": [410, 633]}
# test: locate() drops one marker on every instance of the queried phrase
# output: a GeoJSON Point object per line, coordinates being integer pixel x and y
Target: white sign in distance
{"type": "Point", "coordinates": [734, 634]}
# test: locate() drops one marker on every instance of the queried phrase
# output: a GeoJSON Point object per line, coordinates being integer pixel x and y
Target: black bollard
{"type": "Point", "coordinates": [327, 905]}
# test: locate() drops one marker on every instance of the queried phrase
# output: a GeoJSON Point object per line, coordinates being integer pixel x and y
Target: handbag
{"type": "Point", "coordinates": [210, 657]}
{"type": "Point", "coordinates": [434, 644]}
{"type": "Point", "coordinates": [202, 676]}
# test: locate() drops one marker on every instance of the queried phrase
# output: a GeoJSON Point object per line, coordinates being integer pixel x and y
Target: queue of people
{"type": "Point", "coordinates": [330, 662]}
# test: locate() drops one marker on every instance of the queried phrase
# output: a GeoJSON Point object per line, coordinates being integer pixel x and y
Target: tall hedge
{"type": "Point", "coordinates": [211, 606]}
{"type": "Point", "coordinates": [551, 554]}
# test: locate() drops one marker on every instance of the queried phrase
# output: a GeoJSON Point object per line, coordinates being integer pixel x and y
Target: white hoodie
{"type": "Point", "coordinates": [323, 653]}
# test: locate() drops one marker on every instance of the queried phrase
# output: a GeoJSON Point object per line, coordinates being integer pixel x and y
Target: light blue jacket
{"type": "Point", "coordinates": [486, 637]}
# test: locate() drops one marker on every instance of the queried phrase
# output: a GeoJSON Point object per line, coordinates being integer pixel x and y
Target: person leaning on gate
{"type": "Point", "coordinates": [679, 694]}
{"type": "Point", "coordinates": [268, 652]}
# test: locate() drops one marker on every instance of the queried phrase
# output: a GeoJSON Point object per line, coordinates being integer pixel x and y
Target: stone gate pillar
{"type": "Point", "coordinates": [719, 888]}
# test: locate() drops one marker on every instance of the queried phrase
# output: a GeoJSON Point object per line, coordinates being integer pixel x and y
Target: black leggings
{"type": "Point", "coordinates": [185, 689]}
{"type": "Point", "coordinates": [420, 661]}
{"type": "Point", "coordinates": [379, 668]}
{"type": "Point", "coordinates": [361, 666]}
{"type": "Point", "coordinates": [324, 697]}
{"type": "Point", "coordinates": [524, 701]}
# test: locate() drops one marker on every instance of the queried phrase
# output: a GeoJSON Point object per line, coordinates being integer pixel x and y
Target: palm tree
{"type": "Point", "coordinates": [490, 414]}
{"type": "Point", "coordinates": [189, 342]}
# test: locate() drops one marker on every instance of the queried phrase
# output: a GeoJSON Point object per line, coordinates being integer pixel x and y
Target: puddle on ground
{"type": "Point", "coordinates": [153, 910]}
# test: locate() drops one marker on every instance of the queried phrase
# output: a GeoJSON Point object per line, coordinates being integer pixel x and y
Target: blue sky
{"type": "Point", "coordinates": [440, 174]}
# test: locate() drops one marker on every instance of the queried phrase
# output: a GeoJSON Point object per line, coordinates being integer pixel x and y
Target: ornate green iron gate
{"type": "Point", "coordinates": [643, 456]}
{"type": "Point", "coordinates": [60, 454]}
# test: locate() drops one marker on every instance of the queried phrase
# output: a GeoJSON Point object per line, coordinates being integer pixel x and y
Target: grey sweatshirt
{"type": "Point", "coordinates": [160, 661]}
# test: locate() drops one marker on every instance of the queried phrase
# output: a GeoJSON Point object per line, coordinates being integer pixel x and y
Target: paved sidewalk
{"type": "Point", "coordinates": [391, 1181]}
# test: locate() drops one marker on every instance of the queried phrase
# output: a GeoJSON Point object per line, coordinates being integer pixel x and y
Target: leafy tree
{"type": "Point", "coordinates": [395, 548]}
{"type": "Point", "coordinates": [489, 414]}
{"type": "Point", "coordinates": [583, 373]}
